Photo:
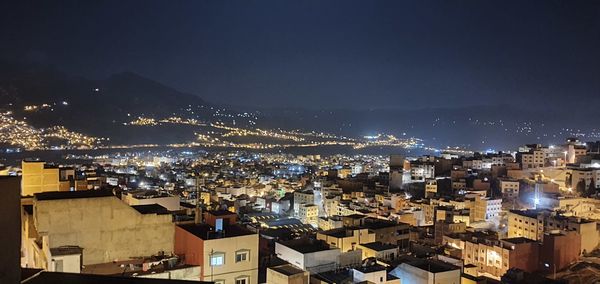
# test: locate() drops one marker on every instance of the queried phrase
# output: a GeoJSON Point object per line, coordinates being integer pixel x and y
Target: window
{"type": "Point", "coordinates": [217, 259]}
{"type": "Point", "coordinates": [242, 280]}
{"type": "Point", "coordinates": [219, 281]}
{"type": "Point", "coordinates": [242, 255]}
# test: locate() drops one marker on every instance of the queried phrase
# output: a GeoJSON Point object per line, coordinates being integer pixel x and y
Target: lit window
{"type": "Point", "coordinates": [241, 255]}
{"type": "Point", "coordinates": [217, 259]}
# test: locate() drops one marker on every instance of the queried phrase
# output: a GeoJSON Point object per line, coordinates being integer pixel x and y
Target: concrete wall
{"type": "Point", "coordinates": [232, 269]}
{"type": "Point", "coordinates": [35, 178]}
{"type": "Point", "coordinates": [293, 257]}
{"type": "Point", "coordinates": [321, 261]}
{"type": "Point", "coordinates": [105, 227]}
{"type": "Point", "coordinates": [70, 263]}
{"type": "Point", "coordinates": [412, 275]}
{"type": "Point", "coordinates": [190, 247]}
{"type": "Point", "coordinates": [191, 273]}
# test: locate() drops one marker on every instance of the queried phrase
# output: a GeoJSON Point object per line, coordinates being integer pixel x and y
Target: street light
{"type": "Point", "coordinates": [547, 265]}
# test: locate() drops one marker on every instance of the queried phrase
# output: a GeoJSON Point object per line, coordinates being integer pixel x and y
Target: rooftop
{"type": "Point", "coordinates": [45, 277]}
{"type": "Point", "coordinates": [305, 245]}
{"type": "Point", "coordinates": [66, 250]}
{"type": "Point", "coordinates": [518, 240]}
{"type": "Point", "coordinates": [57, 195]}
{"type": "Point", "coordinates": [220, 212]}
{"type": "Point", "coordinates": [207, 232]}
{"type": "Point", "coordinates": [287, 269]}
{"type": "Point", "coordinates": [434, 266]}
{"type": "Point", "coordinates": [151, 209]}
{"type": "Point", "coordinates": [370, 268]}
{"type": "Point", "coordinates": [379, 246]}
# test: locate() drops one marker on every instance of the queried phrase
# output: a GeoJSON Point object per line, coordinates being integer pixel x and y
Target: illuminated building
{"type": "Point", "coordinates": [97, 222]}
{"type": "Point", "coordinates": [287, 274]}
{"type": "Point", "coordinates": [425, 271]}
{"type": "Point", "coordinates": [225, 251]}
{"type": "Point", "coordinates": [509, 188]}
{"type": "Point", "coordinates": [303, 197]}
{"type": "Point", "coordinates": [485, 209]}
{"type": "Point", "coordinates": [309, 214]}
{"type": "Point", "coordinates": [37, 176]}
{"type": "Point", "coordinates": [430, 187]}
{"type": "Point", "coordinates": [314, 256]}
{"type": "Point", "coordinates": [525, 224]}
{"type": "Point", "coordinates": [346, 239]}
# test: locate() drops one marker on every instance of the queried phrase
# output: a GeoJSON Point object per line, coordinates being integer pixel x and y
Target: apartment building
{"type": "Point", "coordinates": [225, 251]}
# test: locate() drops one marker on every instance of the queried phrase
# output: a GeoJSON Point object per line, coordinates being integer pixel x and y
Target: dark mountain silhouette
{"type": "Point", "coordinates": [100, 107]}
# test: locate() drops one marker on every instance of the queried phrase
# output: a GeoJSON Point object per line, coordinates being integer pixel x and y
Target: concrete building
{"type": "Point", "coordinates": [430, 187]}
{"type": "Point", "coordinates": [588, 175]}
{"type": "Point", "coordinates": [287, 274]}
{"type": "Point", "coordinates": [420, 171]}
{"type": "Point", "coordinates": [37, 176]}
{"type": "Point", "coordinates": [372, 274]}
{"type": "Point", "coordinates": [97, 222]}
{"type": "Point", "coordinates": [379, 251]}
{"type": "Point", "coordinates": [303, 197]}
{"type": "Point", "coordinates": [396, 165]}
{"type": "Point", "coordinates": [426, 271]}
{"type": "Point", "coordinates": [525, 224]}
{"type": "Point", "coordinates": [346, 239]}
{"type": "Point", "coordinates": [536, 224]}
{"type": "Point", "coordinates": [309, 214]}
{"type": "Point", "coordinates": [559, 250]}
{"type": "Point", "coordinates": [225, 252]}
{"type": "Point", "coordinates": [509, 188]}
{"type": "Point", "coordinates": [534, 159]}
{"type": "Point", "coordinates": [486, 209]}
{"type": "Point", "coordinates": [493, 256]}
{"type": "Point", "coordinates": [314, 256]}
{"type": "Point", "coordinates": [328, 223]}
{"type": "Point", "coordinates": [388, 232]}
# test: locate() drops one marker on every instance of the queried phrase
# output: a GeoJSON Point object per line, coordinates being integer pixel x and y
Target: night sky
{"type": "Point", "coordinates": [323, 54]}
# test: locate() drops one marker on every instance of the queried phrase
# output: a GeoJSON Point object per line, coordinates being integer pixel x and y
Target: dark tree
{"type": "Point", "coordinates": [591, 189]}
{"type": "Point", "coordinates": [580, 188]}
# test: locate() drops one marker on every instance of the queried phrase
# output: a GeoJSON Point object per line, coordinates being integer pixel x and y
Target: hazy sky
{"type": "Point", "coordinates": [332, 54]}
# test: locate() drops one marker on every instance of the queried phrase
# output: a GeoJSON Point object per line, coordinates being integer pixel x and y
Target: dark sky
{"type": "Point", "coordinates": [323, 54]}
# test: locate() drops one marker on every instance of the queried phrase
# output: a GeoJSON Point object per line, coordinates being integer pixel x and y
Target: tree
{"type": "Point", "coordinates": [580, 188]}
{"type": "Point", "coordinates": [591, 189]}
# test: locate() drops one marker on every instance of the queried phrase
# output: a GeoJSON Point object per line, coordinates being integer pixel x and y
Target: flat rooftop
{"type": "Point", "coordinates": [518, 240]}
{"type": "Point", "coordinates": [220, 212]}
{"type": "Point", "coordinates": [305, 245]}
{"type": "Point", "coordinates": [58, 195]}
{"type": "Point", "coordinates": [431, 265]}
{"type": "Point", "coordinates": [151, 209]}
{"type": "Point", "coordinates": [287, 269]}
{"type": "Point", "coordinates": [370, 268]}
{"type": "Point", "coordinates": [207, 232]}
{"type": "Point", "coordinates": [379, 246]}
{"type": "Point", "coordinates": [45, 277]}
{"type": "Point", "coordinates": [66, 250]}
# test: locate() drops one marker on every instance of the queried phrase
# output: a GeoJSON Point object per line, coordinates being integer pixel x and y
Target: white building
{"type": "Point", "coordinates": [307, 254]}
